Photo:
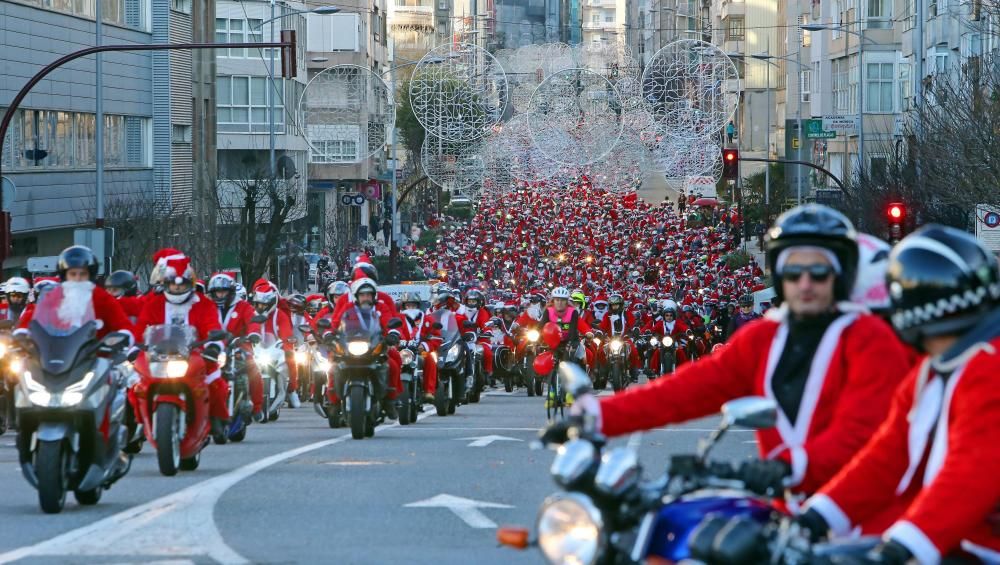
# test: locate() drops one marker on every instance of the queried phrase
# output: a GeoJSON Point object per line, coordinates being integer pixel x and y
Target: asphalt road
{"type": "Point", "coordinates": [297, 491]}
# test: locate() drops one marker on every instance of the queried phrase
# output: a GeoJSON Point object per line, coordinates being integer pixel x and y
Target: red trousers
{"type": "Point", "coordinates": [293, 369]}
{"type": "Point", "coordinates": [256, 383]}
{"type": "Point", "coordinates": [430, 374]}
{"type": "Point", "coordinates": [218, 399]}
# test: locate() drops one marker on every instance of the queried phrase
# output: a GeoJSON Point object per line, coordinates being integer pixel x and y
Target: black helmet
{"type": "Point", "coordinates": [124, 280]}
{"type": "Point", "coordinates": [369, 270]}
{"type": "Point", "coordinates": [746, 300]}
{"type": "Point", "coordinates": [820, 226]}
{"type": "Point", "coordinates": [941, 280]}
{"type": "Point", "coordinates": [74, 257]}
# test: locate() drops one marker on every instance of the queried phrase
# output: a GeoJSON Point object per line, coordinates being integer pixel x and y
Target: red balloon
{"type": "Point", "coordinates": [551, 335]}
{"type": "Point", "coordinates": [543, 363]}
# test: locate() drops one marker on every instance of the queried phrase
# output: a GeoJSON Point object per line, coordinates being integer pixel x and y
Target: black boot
{"type": "Point", "coordinates": [218, 431]}
{"type": "Point", "coordinates": [390, 409]}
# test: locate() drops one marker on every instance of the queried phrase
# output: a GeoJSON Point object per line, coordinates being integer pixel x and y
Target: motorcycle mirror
{"type": "Point", "coordinates": [254, 338]}
{"type": "Point", "coordinates": [574, 378]}
{"type": "Point", "coordinates": [324, 324]}
{"type": "Point", "coordinates": [258, 319]}
{"type": "Point", "coordinates": [115, 339]}
{"type": "Point", "coordinates": [394, 323]}
{"type": "Point", "coordinates": [467, 325]}
{"type": "Point", "coordinates": [305, 328]}
{"type": "Point", "coordinates": [754, 412]}
{"type": "Point", "coordinates": [218, 335]}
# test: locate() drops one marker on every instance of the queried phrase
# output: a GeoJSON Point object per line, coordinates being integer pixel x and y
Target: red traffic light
{"type": "Point", "coordinates": [730, 164]}
{"type": "Point", "coordinates": [896, 212]}
{"type": "Point", "coordinates": [730, 154]}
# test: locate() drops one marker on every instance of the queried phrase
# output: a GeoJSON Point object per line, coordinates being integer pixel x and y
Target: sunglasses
{"type": "Point", "coordinates": [817, 272]}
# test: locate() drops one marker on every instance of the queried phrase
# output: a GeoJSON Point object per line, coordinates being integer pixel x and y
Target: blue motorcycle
{"type": "Point", "coordinates": [608, 514]}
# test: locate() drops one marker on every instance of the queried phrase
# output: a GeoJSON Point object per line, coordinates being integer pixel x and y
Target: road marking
{"type": "Point", "coordinates": [465, 508]}
{"type": "Point", "coordinates": [483, 441]}
{"type": "Point", "coordinates": [354, 463]}
{"type": "Point", "coordinates": [179, 524]}
{"type": "Point", "coordinates": [435, 429]}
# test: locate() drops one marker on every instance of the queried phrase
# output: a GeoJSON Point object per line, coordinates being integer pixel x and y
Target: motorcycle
{"type": "Point", "coordinates": [452, 363]}
{"type": "Point", "coordinates": [8, 381]}
{"type": "Point", "coordinates": [616, 353]}
{"type": "Point", "coordinates": [476, 373]}
{"type": "Point", "coordinates": [532, 349]}
{"type": "Point", "coordinates": [270, 358]}
{"type": "Point", "coordinates": [233, 367]}
{"type": "Point", "coordinates": [598, 374]}
{"type": "Point", "coordinates": [608, 514]}
{"type": "Point", "coordinates": [359, 355]}
{"type": "Point", "coordinates": [173, 397]}
{"type": "Point", "coordinates": [412, 375]}
{"type": "Point", "coordinates": [668, 355]}
{"type": "Point", "coordinates": [71, 408]}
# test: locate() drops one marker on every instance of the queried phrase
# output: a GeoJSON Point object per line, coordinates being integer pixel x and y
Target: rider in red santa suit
{"type": "Point", "coordinates": [927, 480]}
{"type": "Point", "coordinates": [420, 330]}
{"type": "Point", "coordinates": [180, 304]}
{"type": "Point", "coordinates": [668, 324]}
{"type": "Point", "coordinates": [617, 323]}
{"type": "Point", "coordinates": [265, 301]}
{"type": "Point", "coordinates": [122, 285]}
{"type": "Point", "coordinates": [477, 313]}
{"type": "Point", "coordinates": [235, 317]}
{"type": "Point", "coordinates": [829, 365]}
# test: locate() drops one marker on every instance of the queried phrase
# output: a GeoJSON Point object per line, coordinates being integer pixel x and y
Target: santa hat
{"type": "Point", "coordinates": [177, 268]}
{"type": "Point", "coordinates": [264, 285]}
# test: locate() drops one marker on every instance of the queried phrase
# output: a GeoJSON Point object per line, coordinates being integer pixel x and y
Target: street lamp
{"type": "Point", "coordinates": [321, 10]}
{"type": "Point", "coordinates": [861, 77]}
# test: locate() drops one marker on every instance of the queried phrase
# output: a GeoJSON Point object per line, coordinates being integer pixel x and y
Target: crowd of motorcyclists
{"type": "Point", "coordinates": [878, 362]}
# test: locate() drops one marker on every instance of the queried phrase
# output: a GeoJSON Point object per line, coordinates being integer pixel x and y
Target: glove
{"type": "Point", "coordinates": [392, 339]}
{"type": "Point", "coordinates": [765, 476]}
{"type": "Point", "coordinates": [211, 353]}
{"type": "Point", "coordinates": [812, 523]}
{"type": "Point", "coordinates": [887, 553]}
{"type": "Point", "coordinates": [560, 432]}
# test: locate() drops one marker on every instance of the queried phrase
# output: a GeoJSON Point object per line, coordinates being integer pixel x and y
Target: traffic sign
{"type": "Point", "coordinates": [815, 130]}
{"type": "Point", "coordinates": [840, 123]}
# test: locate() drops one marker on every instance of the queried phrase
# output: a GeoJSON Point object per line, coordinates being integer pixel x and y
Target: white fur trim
{"type": "Point", "coordinates": [800, 462]}
{"type": "Point", "coordinates": [214, 375]}
{"type": "Point", "coordinates": [986, 554]}
{"type": "Point", "coordinates": [779, 314]}
{"type": "Point", "coordinates": [915, 540]}
{"type": "Point", "coordinates": [839, 523]}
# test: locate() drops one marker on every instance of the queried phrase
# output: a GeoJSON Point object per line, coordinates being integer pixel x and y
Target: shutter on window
{"type": "Point", "coordinates": [133, 140]}
{"type": "Point", "coordinates": [133, 13]}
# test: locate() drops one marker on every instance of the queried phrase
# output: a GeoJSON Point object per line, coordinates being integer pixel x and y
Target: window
{"type": "Point", "coordinates": [879, 88]}
{"type": "Point", "coordinates": [66, 140]}
{"type": "Point", "coordinates": [878, 169]}
{"type": "Point", "coordinates": [879, 14]}
{"type": "Point", "coordinates": [940, 55]}
{"type": "Point", "coordinates": [113, 11]}
{"type": "Point", "coordinates": [243, 103]}
{"type": "Point", "coordinates": [735, 30]}
{"type": "Point", "coordinates": [180, 133]}
{"type": "Point", "coordinates": [909, 14]}
{"type": "Point", "coordinates": [238, 31]}
{"type": "Point", "coordinates": [595, 18]}
{"type": "Point", "coordinates": [117, 12]}
{"type": "Point", "coordinates": [905, 86]}
{"type": "Point", "coordinates": [840, 103]}
{"type": "Point", "coordinates": [805, 85]}
{"type": "Point", "coordinates": [805, 34]}
{"type": "Point", "coordinates": [181, 6]}
{"type": "Point", "coordinates": [609, 18]}
{"type": "Point", "coordinates": [333, 151]}
{"type": "Point", "coordinates": [852, 77]}
{"type": "Point", "coordinates": [932, 8]}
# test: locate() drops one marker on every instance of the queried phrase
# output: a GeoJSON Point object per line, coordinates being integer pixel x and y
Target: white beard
{"type": "Point", "coordinates": [535, 312]}
{"type": "Point", "coordinates": [77, 302]}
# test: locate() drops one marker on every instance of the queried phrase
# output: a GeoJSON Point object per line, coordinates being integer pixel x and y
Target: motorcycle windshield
{"type": "Point", "coordinates": [354, 327]}
{"type": "Point", "coordinates": [449, 326]}
{"type": "Point", "coordinates": [62, 326]}
{"type": "Point", "coordinates": [168, 340]}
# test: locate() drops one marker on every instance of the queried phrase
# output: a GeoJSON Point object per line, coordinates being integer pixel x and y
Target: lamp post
{"type": "Point", "coordinates": [768, 58]}
{"type": "Point", "coordinates": [322, 10]}
{"type": "Point", "coordinates": [861, 77]}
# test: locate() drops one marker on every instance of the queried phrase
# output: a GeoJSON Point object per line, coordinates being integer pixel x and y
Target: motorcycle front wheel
{"type": "Point", "coordinates": [52, 468]}
{"type": "Point", "coordinates": [357, 414]}
{"type": "Point", "coordinates": [405, 404]}
{"type": "Point", "coordinates": [168, 441]}
{"type": "Point", "coordinates": [441, 398]}
{"type": "Point", "coordinates": [617, 383]}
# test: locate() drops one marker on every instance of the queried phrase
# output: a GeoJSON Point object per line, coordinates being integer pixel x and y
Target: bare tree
{"type": "Point", "coordinates": [257, 207]}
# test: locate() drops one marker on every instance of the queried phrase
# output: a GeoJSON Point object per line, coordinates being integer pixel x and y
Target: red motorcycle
{"type": "Point", "coordinates": [172, 396]}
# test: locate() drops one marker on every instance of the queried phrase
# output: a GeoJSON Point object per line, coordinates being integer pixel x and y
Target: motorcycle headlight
{"type": "Point", "coordinates": [533, 335]}
{"type": "Point", "coordinates": [3, 349]}
{"type": "Point", "coordinates": [654, 341]}
{"type": "Point", "coordinates": [322, 363]}
{"type": "Point", "coordinates": [262, 356]}
{"type": "Point", "coordinates": [479, 349]}
{"type": "Point", "coordinates": [453, 353]}
{"type": "Point", "coordinates": [668, 341]}
{"type": "Point", "coordinates": [357, 348]}
{"type": "Point", "coordinates": [16, 366]}
{"type": "Point", "coordinates": [301, 357]}
{"type": "Point", "coordinates": [223, 358]}
{"type": "Point", "coordinates": [570, 529]}
{"type": "Point", "coordinates": [616, 346]}
{"type": "Point", "coordinates": [406, 356]}
{"type": "Point", "coordinates": [176, 368]}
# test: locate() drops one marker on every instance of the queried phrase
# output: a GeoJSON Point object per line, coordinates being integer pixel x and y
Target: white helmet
{"type": "Point", "coordinates": [362, 284]}
{"type": "Point", "coordinates": [241, 292]}
{"type": "Point", "coordinates": [560, 292]}
{"type": "Point", "coordinates": [668, 305]}
{"type": "Point", "coordinates": [18, 285]}
{"type": "Point", "coordinates": [870, 289]}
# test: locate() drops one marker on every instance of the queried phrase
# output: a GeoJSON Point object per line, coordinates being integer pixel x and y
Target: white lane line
{"type": "Point", "coordinates": [466, 509]}
{"type": "Point", "coordinates": [179, 524]}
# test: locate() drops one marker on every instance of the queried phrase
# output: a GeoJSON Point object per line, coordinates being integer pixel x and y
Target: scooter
{"type": "Point", "coordinates": [173, 397]}
{"type": "Point", "coordinates": [71, 408]}
{"type": "Point", "coordinates": [270, 358]}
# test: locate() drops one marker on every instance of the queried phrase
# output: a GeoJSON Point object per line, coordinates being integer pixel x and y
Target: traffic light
{"type": "Point", "coordinates": [730, 164]}
{"type": "Point", "coordinates": [896, 215]}
{"type": "Point", "coordinates": [289, 60]}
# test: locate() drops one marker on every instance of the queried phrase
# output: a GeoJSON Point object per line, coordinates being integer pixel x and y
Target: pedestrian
{"type": "Point", "coordinates": [730, 131]}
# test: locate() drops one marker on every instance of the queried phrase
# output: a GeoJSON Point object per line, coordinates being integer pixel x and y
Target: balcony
{"type": "Point", "coordinates": [600, 26]}
{"type": "Point", "coordinates": [409, 17]}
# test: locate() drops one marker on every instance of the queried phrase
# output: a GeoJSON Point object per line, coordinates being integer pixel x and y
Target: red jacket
{"type": "Point", "coordinates": [106, 309]}
{"type": "Point", "coordinates": [605, 325]}
{"type": "Point", "coordinates": [659, 327]}
{"type": "Point", "coordinates": [132, 305]}
{"type": "Point", "coordinates": [278, 325]}
{"type": "Point", "coordinates": [236, 320]}
{"type": "Point", "coordinates": [862, 362]}
{"type": "Point", "coordinates": [200, 313]}
{"type": "Point", "coordinates": [930, 471]}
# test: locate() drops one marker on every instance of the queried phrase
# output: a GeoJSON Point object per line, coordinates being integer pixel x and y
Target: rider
{"type": "Point", "coordinates": [278, 325]}
{"type": "Point", "coordinates": [478, 314]}
{"type": "Point", "coordinates": [122, 285]}
{"type": "Point", "coordinates": [667, 324]}
{"type": "Point", "coordinates": [334, 291]}
{"type": "Point", "coordinates": [419, 328]}
{"type": "Point", "coordinates": [180, 304]}
{"type": "Point", "coordinates": [927, 479]}
{"type": "Point", "coordinates": [744, 316]}
{"type": "Point", "coordinates": [830, 366]}
{"type": "Point", "coordinates": [235, 317]}
{"type": "Point", "coordinates": [618, 322]}
{"type": "Point", "coordinates": [17, 289]}
{"type": "Point", "coordinates": [570, 323]}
